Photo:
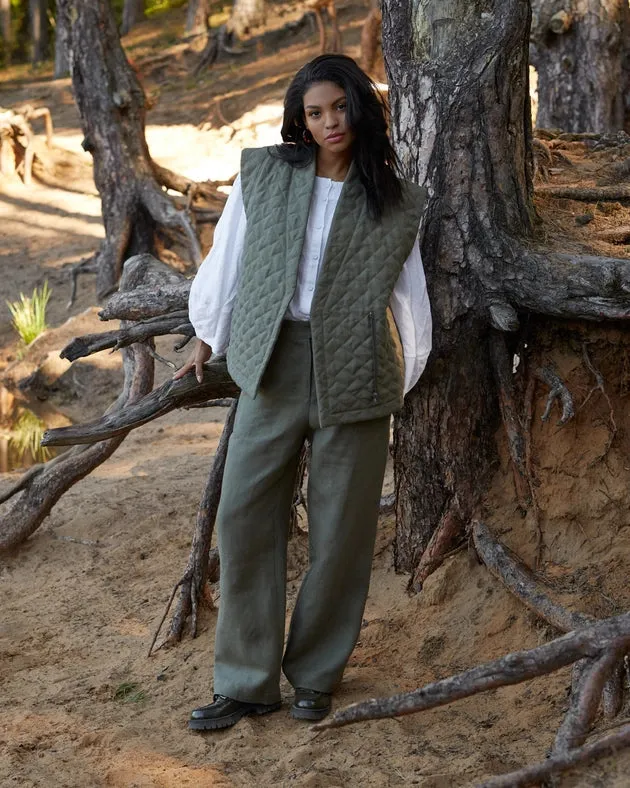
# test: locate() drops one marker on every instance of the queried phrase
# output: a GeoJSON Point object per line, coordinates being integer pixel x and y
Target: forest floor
{"type": "Point", "coordinates": [81, 703]}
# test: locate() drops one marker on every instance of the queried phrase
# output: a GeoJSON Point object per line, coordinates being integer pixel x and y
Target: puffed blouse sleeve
{"type": "Point", "coordinates": [412, 313]}
{"type": "Point", "coordinates": [213, 290]}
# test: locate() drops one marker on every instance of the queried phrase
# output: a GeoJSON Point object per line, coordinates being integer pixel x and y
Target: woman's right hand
{"type": "Point", "coordinates": [200, 354]}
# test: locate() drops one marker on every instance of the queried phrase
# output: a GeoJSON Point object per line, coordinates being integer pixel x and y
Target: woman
{"type": "Point", "coordinates": [314, 287]}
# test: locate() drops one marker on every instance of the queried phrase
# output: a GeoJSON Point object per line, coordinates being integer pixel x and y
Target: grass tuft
{"type": "Point", "coordinates": [29, 313]}
{"type": "Point", "coordinates": [129, 692]}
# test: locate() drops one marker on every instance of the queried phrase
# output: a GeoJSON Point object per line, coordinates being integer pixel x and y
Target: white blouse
{"type": "Point", "coordinates": [215, 286]}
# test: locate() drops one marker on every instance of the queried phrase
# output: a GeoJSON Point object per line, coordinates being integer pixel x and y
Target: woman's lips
{"type": "Point", "coordinates": [335, 137]}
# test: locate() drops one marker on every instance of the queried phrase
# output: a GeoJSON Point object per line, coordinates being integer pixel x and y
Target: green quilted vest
{"type": "Point", "coordinates": [358, 366]}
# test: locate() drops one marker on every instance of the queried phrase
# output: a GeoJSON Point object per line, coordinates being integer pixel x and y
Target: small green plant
{"type": "Point", "coordinates": [129, 692]}
{"type": "Point", "coordinates": [29, 313]}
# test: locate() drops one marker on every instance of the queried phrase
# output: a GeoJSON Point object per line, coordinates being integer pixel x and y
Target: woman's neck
{"type": "Point", "coordinates": [331, 166]}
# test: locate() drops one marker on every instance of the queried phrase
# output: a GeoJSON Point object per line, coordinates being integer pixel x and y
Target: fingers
{"type": "Point", "coordinates": [199, 369]}
{"type": "Point", "coordinates": [196, 360]}
{"type": "Point", "coordinates": [183, 370]}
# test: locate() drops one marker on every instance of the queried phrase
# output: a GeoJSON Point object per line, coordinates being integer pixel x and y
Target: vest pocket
{"type": "Point", "coordinates": [372, 325]}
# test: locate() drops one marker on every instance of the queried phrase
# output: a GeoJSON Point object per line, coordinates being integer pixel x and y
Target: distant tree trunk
{"type": "Point", "coordinates": [245, 15]}
{"type": "Point", "coordinates": [133, 13]}
{"type": "Point", "coordinates": [62, 64]}
{"type": "Point", "coordinates": [5, 28]}
{"type": "Point", "coordinates": [39, 30]}
{"type": "Point", "coordinates": [371, 37]}
{"type": "Point", "coordinates": [197, 16]}
{"type": "Point", "coordinates": [580, 49]}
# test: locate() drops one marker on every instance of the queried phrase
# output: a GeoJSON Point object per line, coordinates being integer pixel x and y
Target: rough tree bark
{"type": "Point", "coordinates": [133, 13]}
{"type": "Point", "coordinates": [580, 49]}
{"type": "Point", "coordinates": [39, 30]}
{"type": "Point", "coordinates": [112, 107]}
{"type": "Point", "coordinates": [458, 75]}
{"type": "Point", "coordinates": [197, 16]}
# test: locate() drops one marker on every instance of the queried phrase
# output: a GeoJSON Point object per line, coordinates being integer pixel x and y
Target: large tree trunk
{"type": "Point", "coordinates": [245, 15]}
{"type": "Point", "coordinates": [133, 13]}
{"type": "Point", "coordinates": [458, 76]}
{"type": "Point", "coordinates": [39, 30]}
{"type": "Point", "coordinates": [460, 100]}
{"type": "Point", "coordinates": [197, 15]}
{"type": "Point", "coordinates": [5, 29]}
{"type": "Point", "coordinates": [580, 49]}
{"type": "Point", "coordinates": [112, 107]}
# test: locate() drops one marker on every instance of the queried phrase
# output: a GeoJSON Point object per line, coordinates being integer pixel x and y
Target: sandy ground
{"type": "Point", "coordinates": [82, 705]}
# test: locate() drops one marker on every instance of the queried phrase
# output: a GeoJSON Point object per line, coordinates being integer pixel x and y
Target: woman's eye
{"type": "Point", "coordinates": [313, 114]}
{"type": "Point", "coordinates": [341, 106]}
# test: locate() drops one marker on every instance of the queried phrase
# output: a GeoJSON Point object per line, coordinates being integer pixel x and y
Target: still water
{"type": "Point", "coordinates": [21, 430]}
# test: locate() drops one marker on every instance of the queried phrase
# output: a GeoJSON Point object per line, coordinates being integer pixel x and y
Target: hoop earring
{"type": "Point", "coordinates": [307, 137]}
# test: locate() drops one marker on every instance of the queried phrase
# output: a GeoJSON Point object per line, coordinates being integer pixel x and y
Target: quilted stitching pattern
{"type": "Point", "coordinates": [353, 351]}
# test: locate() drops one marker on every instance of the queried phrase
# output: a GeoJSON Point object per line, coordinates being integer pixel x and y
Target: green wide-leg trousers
{"type": "Point", "coordinates": [344, 488]}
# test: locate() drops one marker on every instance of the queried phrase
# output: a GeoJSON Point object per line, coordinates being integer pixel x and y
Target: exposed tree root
{"type": "Point", "coordinates": [620, 191]}
{"type": "Point", "coordinates": [514, 668]}
{"type": "Point", "coordinates": [191, 585]}
{"type": "Point", "coordinates": [40, 489]}
{"type": "Point", "coordinates": [502, 365]}
{"type": "Point", "coordinates": [595, 648]}
{"type": "Point", "coordinates": [16, 143]}
{"type": "Point", "coordinates": [599, 386]}
{"type": "Point", "coordinates": [173, 323]}
{"type": "Point", "coordinates": [585, 702]}
{"type": "Point", "coordinates": [557, 390]}
{"type": "Point", "coordinates": [620, 235]}
{"type": "Point", "coordinates": [299, 498]}
{"type": "Point", "coordinates": [510, 571]}
{"type": "Point", "coordinates": [170, 395]}
{"type": "Point", "coordinates": [537, 773]}
{"type": "Point", "coordinates": [444, 536]}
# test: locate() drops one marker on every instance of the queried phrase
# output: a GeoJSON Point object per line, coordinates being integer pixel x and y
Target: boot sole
{"type": "Point", "coordinates": [231, 719]}
{"type": "Point", "coordinates": [309, 714]}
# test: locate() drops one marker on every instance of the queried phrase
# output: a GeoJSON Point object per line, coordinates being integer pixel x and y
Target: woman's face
{"type": "Point", "coordinates": [325, 117]}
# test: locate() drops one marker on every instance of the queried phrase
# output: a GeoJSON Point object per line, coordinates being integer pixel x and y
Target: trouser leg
{"type": "Point", "coordinates": [252, 524]}
{"type": "Point", "coordinates": [345, 481]}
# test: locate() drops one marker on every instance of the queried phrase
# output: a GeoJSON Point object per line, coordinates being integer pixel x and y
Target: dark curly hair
{"type": "Point", "coordinates": [367, 116]}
